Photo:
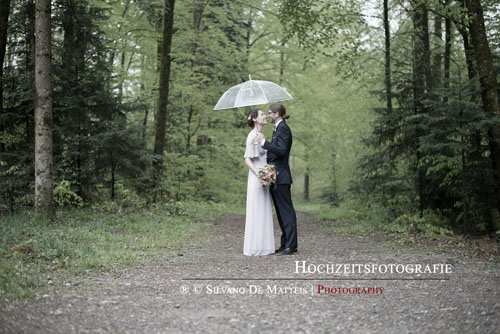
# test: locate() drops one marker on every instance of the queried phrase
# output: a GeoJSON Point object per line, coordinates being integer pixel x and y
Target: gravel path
{"type": "Point", "coordinates": [151, 299]}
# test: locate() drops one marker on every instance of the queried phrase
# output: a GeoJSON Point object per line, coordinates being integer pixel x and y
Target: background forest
{"type": "Point", "coordinates": [395, 103]}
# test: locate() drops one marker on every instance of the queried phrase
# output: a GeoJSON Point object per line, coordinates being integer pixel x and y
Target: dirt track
{"type": "Point", "coordinates": [152, 299]}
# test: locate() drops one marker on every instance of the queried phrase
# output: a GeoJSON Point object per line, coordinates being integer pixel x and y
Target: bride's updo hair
{"type": "Point", "coordinates": [280, 109]}
{"type": "Point", "coordinates": [252, 114]}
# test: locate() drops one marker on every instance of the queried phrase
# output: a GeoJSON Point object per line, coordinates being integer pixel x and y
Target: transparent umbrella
{"type": "Point", "coordinates": [252, 93]}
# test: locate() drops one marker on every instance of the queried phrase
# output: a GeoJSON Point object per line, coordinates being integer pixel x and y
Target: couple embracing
{"type": "Point", "coordinates": [259, 232]}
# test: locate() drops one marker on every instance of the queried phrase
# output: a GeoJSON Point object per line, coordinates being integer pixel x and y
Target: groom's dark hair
{"type": "Point", "coordinates": [280, 109]}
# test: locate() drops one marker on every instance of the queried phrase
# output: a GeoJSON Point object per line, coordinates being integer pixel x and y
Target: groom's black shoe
{"type": "Point", "coordinates": [287, 251]}
{"type": "Point", "coordinates": [280, 249]}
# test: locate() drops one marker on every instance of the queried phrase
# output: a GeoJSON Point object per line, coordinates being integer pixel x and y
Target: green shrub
{"type": "Point", "coordinates": [430, 224]}
{"type": "Point", "coordinates": [64, 196]}
{"type": "Point", "coordinates": [128, 198]}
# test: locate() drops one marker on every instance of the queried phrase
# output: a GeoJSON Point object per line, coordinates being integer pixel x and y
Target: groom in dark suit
{"type": "Point", "coordinates": [278, 153]}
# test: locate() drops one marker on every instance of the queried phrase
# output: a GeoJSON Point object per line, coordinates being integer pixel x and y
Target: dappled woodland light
{"type": "Point", "coordinates": [395, 103]}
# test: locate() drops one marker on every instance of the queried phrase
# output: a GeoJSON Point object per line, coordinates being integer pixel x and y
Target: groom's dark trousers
{"type": "Point", "coordinates": [278, 154]}
{"type": "Point", "coordinates": [286, 215]}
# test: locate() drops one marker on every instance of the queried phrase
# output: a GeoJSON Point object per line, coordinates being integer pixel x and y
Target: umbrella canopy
{"type": "Point", "coordinates": [252, 93]}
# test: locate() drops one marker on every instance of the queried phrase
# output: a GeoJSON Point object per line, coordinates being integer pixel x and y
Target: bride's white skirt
{"type": "Point", "coordinates": [259, 232]}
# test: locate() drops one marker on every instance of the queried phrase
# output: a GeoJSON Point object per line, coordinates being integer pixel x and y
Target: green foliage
{"type": "Point", "coordinates": [352, 216]}
{"type": "Point", "coordinates": [330, 195]}
{"type": "Point", "coordinates": [366, 217]}
{"type": "Point", "coordinates": [64, 196]}
{"type": "Point", "coordinates": [127, 197]}
{"type": "Point", "coordinates": [16, 118]}
{"type": "Point", "coordinates": [106, 87]}
{"type": "Point", "coordinates": [431, 151]}
{"type": "Point", "coordinates": [335, 29]}
{"type": "Point", "coordinates": [184, 176]}
{"type": "Point", "coordinates": [104, 236]}
{"type": "Point", "coordinates": [430, 224]}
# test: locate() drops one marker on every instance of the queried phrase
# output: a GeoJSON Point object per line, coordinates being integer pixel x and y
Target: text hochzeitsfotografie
{"type": "Point", "coordinates": [305, 267]}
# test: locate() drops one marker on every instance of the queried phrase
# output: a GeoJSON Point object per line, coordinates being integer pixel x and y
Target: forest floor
{"type": "Point", "coordinates": [209, 286]}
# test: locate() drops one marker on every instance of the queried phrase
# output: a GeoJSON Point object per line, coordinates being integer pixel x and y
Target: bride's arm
{"type": "Point", "coordinates": [250, 165]}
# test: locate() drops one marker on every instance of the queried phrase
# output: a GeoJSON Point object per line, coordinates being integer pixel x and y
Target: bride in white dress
{"type": "Point", "coordinates": [259, 232]}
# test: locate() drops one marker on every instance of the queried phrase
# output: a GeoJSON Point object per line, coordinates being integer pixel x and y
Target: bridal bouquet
{"type": "Point", "coordinates": [267, 175]}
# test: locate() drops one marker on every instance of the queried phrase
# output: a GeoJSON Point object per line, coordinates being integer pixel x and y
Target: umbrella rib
{"type": "Point", "coordinates": [263, 92]}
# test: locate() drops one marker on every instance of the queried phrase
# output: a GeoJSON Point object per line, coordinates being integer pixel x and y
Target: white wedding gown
{"type": "Point", "coordinates": [259, 232]}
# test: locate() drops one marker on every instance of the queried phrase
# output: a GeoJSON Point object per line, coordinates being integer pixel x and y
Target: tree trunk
{"type": "Point", "coordinates": [121, 78]}
{"type": "Point", "coordinates": [145, 121]}
{"type": "Point", "coordinates": [68, 65]}
{"type": "Point", "coordinates": [469, 55]}
{"type": "Point", "coordinates": [282, 63]}
{"type": "Point", "coordinates": [248, 37]}
{"type": "Point", "coordinates": [447, 58]}
{"type": "Point", "coordinates": [43, 109]}
{"type": "Point", "coordinates": [419, 76]}
{"type": "Point", "coordinates": [198, 15]}
{"type": "Point", "coordinates": [196, 61]}
{"type": "Point", "coordinates": [4, 22]}
{"type": "Point", "coordinates": [161, 114]}
{"type": "Point", "coordinates": [113, 168]}
{"type": "Point", "coordinates": [477, 137]}
{"type": "Point", "coordinates": [30, 37]}
{"type": "Point", "coordinates": [419, 56]}
{"type": "Point", "coordinates": [424, 30]}
{"type": "Point", "coordinates": [113, 53]}
{"type": "Point", "coordinates": [463, 29]}
{"type": "Point", "coordinates": [189, 135]}
{"type": "Point", "coordinates": [143, 89]}
{"type": "Point", "coordinates": [487, 80]}
{"type": "Point", "coordinates": [29, 54]}
{"type": "Point", "coordinates": [306, 184]}
{"type": "Point", "coordinates": [464, 177]}
{"type": "Point", "coordinates": [438, 33]}
{"type": "Point", "coordinates": [388, 88]}
{"type": "Point", "coordinates": [73, 62]}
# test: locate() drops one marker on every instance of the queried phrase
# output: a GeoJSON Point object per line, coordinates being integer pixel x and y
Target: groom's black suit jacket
{"type": "Point", "coordinates": [278, 152]}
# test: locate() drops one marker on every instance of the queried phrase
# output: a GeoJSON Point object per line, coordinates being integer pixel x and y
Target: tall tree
{"type": "Point", "coordinates": [165, 61]}
{"type": "Point", "coordinates": [387, 33]}
{"type": "Point", "coordinates": [487, 78]}
{"type": "Point", "coordinates": [195, 61]}
{"type": "Point", "coordinates": [43, 109]}
{"type": "Point", "coordinates": [4, 22]}
{"type": "Point", "coordinates": [447, 55]}
{"type": "Point", "coordinates": [421, 63]}
{"type": "Point", "coordinates": [438, 35]}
